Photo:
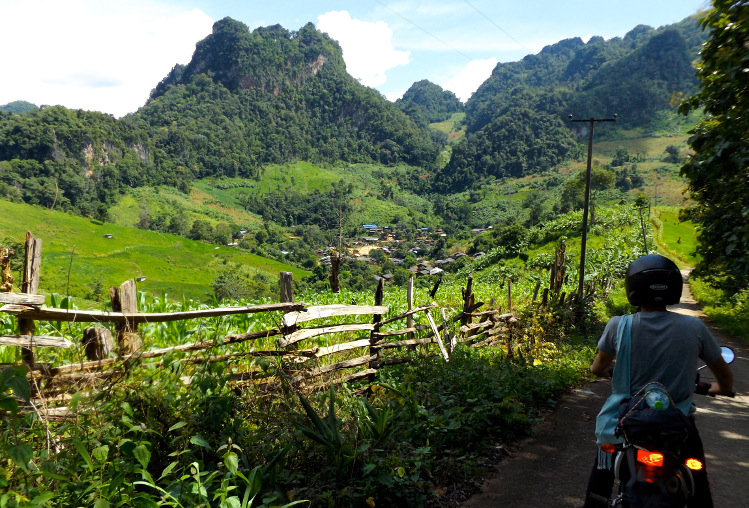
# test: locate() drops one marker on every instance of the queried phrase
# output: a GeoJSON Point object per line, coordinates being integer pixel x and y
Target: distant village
{"type": "Point", "coordinates": [383, 239]}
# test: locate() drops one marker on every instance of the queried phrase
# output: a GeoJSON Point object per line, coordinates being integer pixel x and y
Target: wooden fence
{"type": "Point", "coordinates": [358, 350]}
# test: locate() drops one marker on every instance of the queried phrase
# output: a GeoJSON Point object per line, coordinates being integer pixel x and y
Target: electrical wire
{"type": "Point", "coordinates": [425, 31]}
{"type": "Point", "coordinates": [499, 27]}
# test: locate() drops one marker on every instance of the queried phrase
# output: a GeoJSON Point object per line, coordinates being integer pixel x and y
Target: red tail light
{"type": "Point", "coordinates": [608, 447]}
{"type": "Point", "coordinates": [693, 464]}
{"type": "Point", "coordinates": [654, 459]}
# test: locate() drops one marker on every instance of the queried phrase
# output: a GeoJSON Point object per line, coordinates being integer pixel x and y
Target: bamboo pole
{"type": "Point", "coordinates": [436, 332]}
{"type": "Point", "coordinates": [32, 341]}
{"type": "Point", "coordinates": [308, 333]}
{"type": "Point", "coordinates": [326, 311]}
{"type": "Point", "coordinates": [95, 316]}
{"type": "Point", "coordinates": [22, 299]}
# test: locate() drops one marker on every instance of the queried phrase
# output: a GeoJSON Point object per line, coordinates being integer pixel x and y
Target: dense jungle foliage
{"type": "Point", "coordinates": [718, 170]}
{"type": "Point", "coordinates": [427, 103]}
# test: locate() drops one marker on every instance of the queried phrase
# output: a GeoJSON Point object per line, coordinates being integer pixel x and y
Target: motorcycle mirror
{"type": "Point", "coordinates": [728, 354]}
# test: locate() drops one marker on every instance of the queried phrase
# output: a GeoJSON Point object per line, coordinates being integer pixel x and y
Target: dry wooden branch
{"type": "Point", "coordinates": [335, 367]}
{"type": "Point", "coordinates": [95, 316]}
{"type": "Point", "coordinates": [395, 332]}
{"type": "Point", "coordinates": [408, 342]}
{"type": "Point", "coordinates": [345, 379]}
{"type": "Point", "coordinates": [308, 333]}
{"type": "Point", "coordinates": [229, 339]}
{"type": "Point", "coordinates": [326, 311]}
{"type": "Point", "coordinates": [406, 314]}
{"type": "Point", "coordinates": [22, 299]}
{"type": "Point", "coordinates": [437, 335]}
{"type": "Point", "coordinates": [394, 361]}
{"type": "Point", "coordinates": [354, 344]}
{"type": "Point", "coordinates": [35, 341]}
{"type": "Point", "coordinates": [475, 326]}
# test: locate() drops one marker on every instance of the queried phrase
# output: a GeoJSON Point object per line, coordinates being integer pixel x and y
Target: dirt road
{"type": "Point", "coordinates": [552, 467]}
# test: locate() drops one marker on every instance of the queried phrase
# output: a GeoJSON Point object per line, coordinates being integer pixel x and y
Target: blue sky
{"type": "Point", "coordinates": [107, 56]}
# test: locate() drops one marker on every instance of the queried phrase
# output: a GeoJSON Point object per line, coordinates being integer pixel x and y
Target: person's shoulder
{"type": "Point", "coordinates": [686, 319]}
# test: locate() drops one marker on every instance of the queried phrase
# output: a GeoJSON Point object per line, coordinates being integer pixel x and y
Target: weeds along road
{"type": "Point", "coordinates": [552, 467]}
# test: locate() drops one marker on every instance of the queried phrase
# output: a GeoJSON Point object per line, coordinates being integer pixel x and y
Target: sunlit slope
{"type": "Point", "coordinates": [76, 254]}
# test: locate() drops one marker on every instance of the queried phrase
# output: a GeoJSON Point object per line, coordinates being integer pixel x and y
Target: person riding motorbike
{"type": "Point", "coordinates": [663, 347]}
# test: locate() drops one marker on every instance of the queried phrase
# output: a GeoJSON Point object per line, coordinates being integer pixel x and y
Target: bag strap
{"type": "Point", "coordinates": [620, 379]}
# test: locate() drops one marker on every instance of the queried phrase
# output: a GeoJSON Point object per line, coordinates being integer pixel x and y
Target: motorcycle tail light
{"type": "Point", "coordinates": [694, 464]}
{"type": "Point", "coordinates": [608, 447]}
{"type": "Point", "coordinates": [654, 459]}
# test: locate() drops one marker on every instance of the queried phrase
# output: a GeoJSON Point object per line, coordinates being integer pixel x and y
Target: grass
{"type": "Point", "coordinates": [731, 314]}
{"type": "Point", "coordinates": [451, 127]}
{"type": "Point", "coordinates": [214, 207]}
{"type": "Point", "coordinates": [77, 256]}
{"type": "Point", "coordinates": [677, 240]}
{"type": "Point", "coordinates": [649, 147]}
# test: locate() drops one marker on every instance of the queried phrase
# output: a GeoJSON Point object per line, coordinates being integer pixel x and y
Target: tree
{"type": "Point", "coordinates": [674, 154]}
{"type": "Point", "coordinates": [717, 170]}
{"type": "Point", "coordinates": [201, 230]}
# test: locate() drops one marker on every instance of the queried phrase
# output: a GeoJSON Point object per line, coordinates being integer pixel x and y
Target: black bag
{"type": "Point", "coordinates": [665, 428]}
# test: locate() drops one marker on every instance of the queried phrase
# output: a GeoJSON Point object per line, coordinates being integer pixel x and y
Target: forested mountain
{"type": "Point", "coordinates": [426, 103]}
{"type": "Point", "coordinates": [18, 107]}
{"type": "Point", "coordinates": [245, 99]}
{"type": "Point", "coordinates": [250, 98]}
{"type": "Point", "coordinates": [515, 121]}
{"type": "Point", "coordinates": [272, 95]}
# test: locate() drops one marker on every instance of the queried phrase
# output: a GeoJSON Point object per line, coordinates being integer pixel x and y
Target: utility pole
{"type": "Point", "coordinates": [592, 122]}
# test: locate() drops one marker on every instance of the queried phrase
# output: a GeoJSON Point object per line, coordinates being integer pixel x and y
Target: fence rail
{"type": "Point", "coordinates": [356, 350]}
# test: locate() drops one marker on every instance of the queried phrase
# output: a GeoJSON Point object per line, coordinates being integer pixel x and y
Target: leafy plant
{"type": "Point", "coordinates": [325, 432]}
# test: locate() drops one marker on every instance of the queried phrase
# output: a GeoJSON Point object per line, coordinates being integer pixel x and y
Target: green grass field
{"type": "Point", "coordinates": [677, 240]}
{"type": "Point", "coordinates": [76, 255]}
{"type": "Point", "coordinates": [649, 147]}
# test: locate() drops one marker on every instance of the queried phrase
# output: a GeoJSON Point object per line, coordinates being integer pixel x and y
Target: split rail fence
{"type": "Point", "coordinates": [357, 350]}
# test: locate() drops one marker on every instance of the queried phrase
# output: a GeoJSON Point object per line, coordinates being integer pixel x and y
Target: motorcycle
{"type": "Point", "coordinates": [651, 465]}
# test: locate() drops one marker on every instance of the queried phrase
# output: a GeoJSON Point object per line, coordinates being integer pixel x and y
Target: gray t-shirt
{"type": "Point", "coordinates": [665, 348]}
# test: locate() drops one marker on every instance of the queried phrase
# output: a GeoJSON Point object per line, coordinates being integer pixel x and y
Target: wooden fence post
{"type": "Point", "coordinates": [286, 282]}
{"type": "Point", "coordinates": [6, 275]}
{"type": "Point", "coordinates": [125, 300]}
{"type": "Point", "coordinates": [535, 290]}
{"type": "Point", "coordinates": [97, 342]}
{"type": "Point", "coordinates": [410, 302]}
{"type": "Point", "coordinates": [373, 349]}
{"type": "Point", "coordinates": [509, 295]}
{"type": "Point", "coordinates": [468, 301]}
{"type": "Point", "coordinates": [30, 285]}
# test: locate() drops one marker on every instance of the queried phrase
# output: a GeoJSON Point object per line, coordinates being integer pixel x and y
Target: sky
{"type": "Point", "coordinates": [107, 56]}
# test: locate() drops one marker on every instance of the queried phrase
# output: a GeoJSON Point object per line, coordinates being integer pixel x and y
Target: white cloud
{"type": "Point", "coordinates": [93, 55]}
{"type": "Point", "coordinates": [367, 47]}
{"type": "Point", "coordinates": [470, 78]}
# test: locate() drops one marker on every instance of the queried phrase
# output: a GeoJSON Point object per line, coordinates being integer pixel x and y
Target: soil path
{"type": "Point", "coordinates": [552, 467]}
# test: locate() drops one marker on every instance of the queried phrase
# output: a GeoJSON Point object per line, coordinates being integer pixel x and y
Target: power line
{"type": "Point", "coordinates": [499, 27]}
{"type": "Point", "coordinates": [425, 31]}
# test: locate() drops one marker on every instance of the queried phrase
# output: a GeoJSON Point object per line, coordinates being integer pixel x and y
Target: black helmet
{"type": "Point", "coordinates": [653, 280]}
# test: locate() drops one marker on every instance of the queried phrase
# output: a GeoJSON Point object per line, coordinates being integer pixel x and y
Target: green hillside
{"type": "Point", "coordinates": [78, 260]}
